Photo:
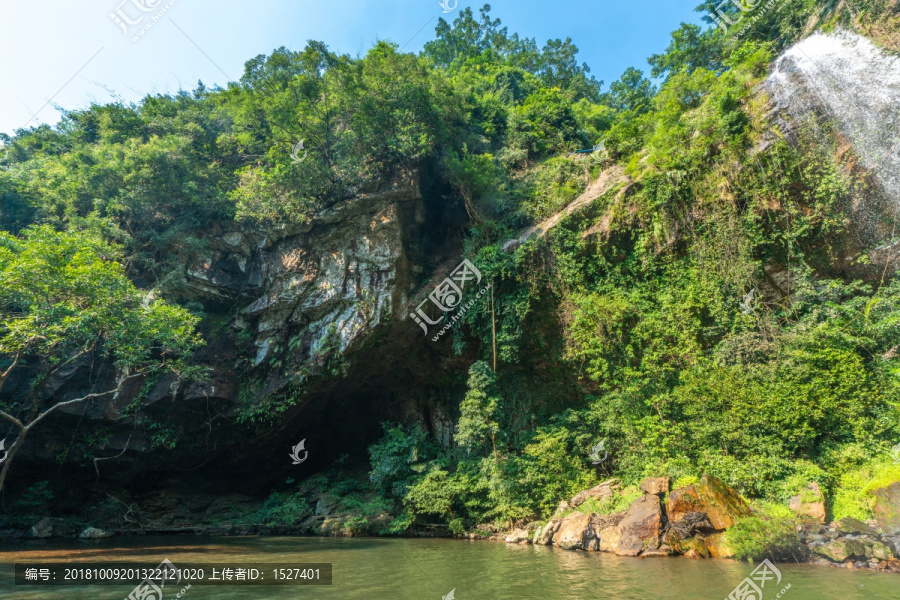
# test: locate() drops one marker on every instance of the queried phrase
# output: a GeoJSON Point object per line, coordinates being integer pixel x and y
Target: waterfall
{"type": "Point", "coordinates": [846, 78]}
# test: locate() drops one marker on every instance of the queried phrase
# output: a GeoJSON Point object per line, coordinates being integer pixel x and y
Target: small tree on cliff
{"type": "Point", "coordinates": [478, 421]}
{"type": "Point", "coordinates": [63, 299]}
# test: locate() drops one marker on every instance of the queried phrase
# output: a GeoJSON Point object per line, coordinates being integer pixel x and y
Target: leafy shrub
{"type": "Point", "coordinates": [283, 509]}
{"type": "Point", "coordinates": [754, 538]}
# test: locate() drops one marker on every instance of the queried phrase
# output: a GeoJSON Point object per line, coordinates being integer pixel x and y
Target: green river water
{"type": "Point", "coordinates": [375, 569]}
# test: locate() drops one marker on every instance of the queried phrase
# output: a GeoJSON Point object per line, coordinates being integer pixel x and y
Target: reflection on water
{"type": "Point", "coordinates": [375, 569]}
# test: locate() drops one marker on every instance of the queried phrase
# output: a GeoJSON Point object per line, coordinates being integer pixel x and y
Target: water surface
{"type": "Point", "coordinates": [375, 569]}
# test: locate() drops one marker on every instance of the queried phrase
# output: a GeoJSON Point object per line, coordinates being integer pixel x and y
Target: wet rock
{"type": "Point", "coordinates": [655, 485]}
{"type": "Point", "coordinates": [887, 508]}
{"type": "Point", "coordinates": [662, 552]}
{"type": "Point", "coordinates": [576, 533]}
{"type": "Point", "coordinates": [92, 533]}
{"type": "Point", "coordinates": [607, 489]}
{"type": "Point", "coordinates": [517, 536]}
{"type": "Point", "coordinates": [721, 503]}
{"type": "Point", "coordinates": [610, 538]}
{"type": "Point", "coordinates": [47, 528]}
{"type": "Point", "coordinates": [841, 550]}
{"type": "Point", "coordinates": [693, 548]}
{"type": "Point", "coordinates": [809, 504]}
{"type": "Point", "coordinates": [642, 526]}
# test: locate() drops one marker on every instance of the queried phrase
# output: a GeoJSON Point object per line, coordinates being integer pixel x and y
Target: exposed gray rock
{"type": "Point", "coordinates": [517, 536]}
{"type": "Point", "coordinates": [92, 533]}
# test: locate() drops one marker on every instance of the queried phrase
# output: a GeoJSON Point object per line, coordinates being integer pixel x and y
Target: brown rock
{"type": "Point", "coordinates": [661, 553]}
{"type": "Point", "coordinates": [718, 547]}
{"type": "Point", "coordinates": [549, 531]}
{"type": "Point", "coordinates": [656, 485]}
{"type": "Point", "coordinates": [607, 489]}
{"type": "Point", "coordinates": [887, 508]}
{"type": "Point", "coordinates": [610, 538]}
{"type": "Point", "coordinates": [690, 525]}
{"type": "Point", "coordinates": [601, 522]}
{"type": "Point", "coordinates": [809, 504]}
{"type": "Point", "coordinates": [576, 533]}
{"type": "Point", "coordinates": [641, 527]}
{"type": "Point", "coordinates": [721, 503]}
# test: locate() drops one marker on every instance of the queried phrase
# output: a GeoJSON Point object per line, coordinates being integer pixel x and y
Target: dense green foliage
{"type": "Point", "coordinates": [633, 301]}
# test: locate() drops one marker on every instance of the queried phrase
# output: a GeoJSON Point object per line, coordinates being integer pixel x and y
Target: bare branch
{"type": "Point", "coordinates": [12, 419]}
{"type": "Point", "coordinates": [82, 399]}
{"type": "Point", "coordinates": [96, 460]}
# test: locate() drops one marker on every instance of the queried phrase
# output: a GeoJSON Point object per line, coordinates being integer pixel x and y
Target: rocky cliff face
{"type": "Point", "coordinates": [839, 90]}
{"type": "Point", "coordinates": [306, 333]}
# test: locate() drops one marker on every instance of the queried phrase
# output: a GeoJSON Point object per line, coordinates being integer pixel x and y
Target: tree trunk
{"type": "Point", "coordinates": [13, 450]}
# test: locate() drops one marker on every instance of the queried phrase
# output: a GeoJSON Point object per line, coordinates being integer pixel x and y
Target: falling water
{"type": "Point", "coordinates": [845, 77]}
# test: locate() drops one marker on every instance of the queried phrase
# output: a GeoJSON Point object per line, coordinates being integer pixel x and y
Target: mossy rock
{"type": "Point", "coordinates": [722, 503]}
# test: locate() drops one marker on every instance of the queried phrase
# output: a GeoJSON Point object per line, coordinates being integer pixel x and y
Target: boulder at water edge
{"type": "Point", "coordinates": [721, 503]}
{"type": "Point", "coordinates": [610, 538]}
{"type": "Point", "coordinates": [517, 536]}
{"type": "Point", "coordinates": [841, 550]}
{"type": "Point", "coordinates": [641, 527]}
{"type": "Point", "coordinates": [718, 546]}
{"type": "Point", "coordinates": [576, 533]}
{"type": "Point", "coordinates": [548, 531]}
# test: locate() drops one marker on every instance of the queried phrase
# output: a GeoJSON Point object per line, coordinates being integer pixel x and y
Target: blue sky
{"type": "Point", "coordinates": [70, 53]}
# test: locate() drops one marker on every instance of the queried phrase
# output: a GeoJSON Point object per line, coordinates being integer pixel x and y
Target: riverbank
{"type": "Point", "coordinates": [701, 520]}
